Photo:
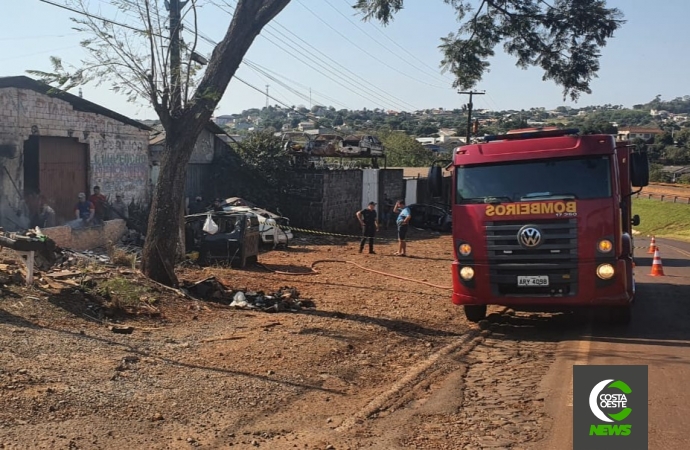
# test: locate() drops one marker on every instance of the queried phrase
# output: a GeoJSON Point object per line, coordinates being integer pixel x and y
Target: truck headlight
{"type": "Point", "coordinates": [467, 273]}
{"type": "Point", "coordinates": [605, 246]}
{"type": "Point", "coordinates": [605, 271]}
{"type": "Point", "coordinates": [465, 249]}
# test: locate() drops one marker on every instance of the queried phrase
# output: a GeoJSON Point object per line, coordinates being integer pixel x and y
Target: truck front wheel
{"type": "Point", "coordinates": [620, 315]}
{"type": "Point", "coordinates": [475, 313]}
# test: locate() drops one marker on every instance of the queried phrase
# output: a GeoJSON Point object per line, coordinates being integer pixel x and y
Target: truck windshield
{"type": "Point", "coordinates": [566, 178]}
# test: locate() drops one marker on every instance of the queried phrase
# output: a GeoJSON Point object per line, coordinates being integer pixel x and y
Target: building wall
{"type": "Point", "coordinates": [87, 238]}
{"type": "Point", "coordinates": [391, 184]}
{"type": "Point", "coordinates": [342, 198]}
{"type": "Point", "coordinates": [200, 170]}
{"type": "Point", "coordinates": [118, 151]}
{"type": "Point", "coordinates": [305, 198]}
{"type": "Point", "coordinates": [327, 200]}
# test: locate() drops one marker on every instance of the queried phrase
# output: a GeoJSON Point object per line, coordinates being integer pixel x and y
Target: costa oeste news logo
{"type": "Point", "coordinates": [610, 407]}
{"type": "Point", "coordinates": [607, 402]}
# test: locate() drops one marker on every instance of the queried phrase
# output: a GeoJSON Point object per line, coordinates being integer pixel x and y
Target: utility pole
{"type": "Point", "coordinates": [267, 86]}
{"type": "Point", "coordinates": [469, 111]}
{"type": "Point", "coordinates": [175, 60]}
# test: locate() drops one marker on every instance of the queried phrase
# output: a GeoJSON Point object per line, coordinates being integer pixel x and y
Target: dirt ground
{"type": "Point", "coordinates": [668, 191]}
{"type": "Point", "coordinates": [204, 374]}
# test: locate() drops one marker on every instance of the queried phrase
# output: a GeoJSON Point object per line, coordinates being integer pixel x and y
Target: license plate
{"type": "Point", "coordinates": [533, 280]}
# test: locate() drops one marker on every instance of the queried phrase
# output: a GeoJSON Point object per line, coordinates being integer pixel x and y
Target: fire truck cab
{"type": "Point", "coordinates": [542, 221]}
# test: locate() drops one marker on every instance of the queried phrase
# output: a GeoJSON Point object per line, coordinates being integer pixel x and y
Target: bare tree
{"type": "Point", "coordinates": [142, 60]}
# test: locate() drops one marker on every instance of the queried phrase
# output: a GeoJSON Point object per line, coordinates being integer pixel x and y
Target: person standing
{"type": "Point", "coordinates": [197, 207]}
{"type": "Point", "coordinates": [120, 208]}
{"type": "Point", "coordinates": [403, 220]}
{"type": "Point", "coordinates": [370, 225]}
{"type": "Point", "coordinates": [99, 203]}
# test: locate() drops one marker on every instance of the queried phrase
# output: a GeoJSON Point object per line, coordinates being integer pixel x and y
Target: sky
{"type": "Point", "coordinates": [322, 46]}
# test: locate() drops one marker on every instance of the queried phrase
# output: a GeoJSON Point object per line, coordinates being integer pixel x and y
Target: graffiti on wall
{"type": "Point", "coordinates": [120, 165]}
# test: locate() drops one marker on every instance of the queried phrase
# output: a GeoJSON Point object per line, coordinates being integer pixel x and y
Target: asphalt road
{"type": "Point", "coordinates": [658, 336]}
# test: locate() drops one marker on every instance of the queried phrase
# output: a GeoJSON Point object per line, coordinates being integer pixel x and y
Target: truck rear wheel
{"type": "Point", "coordinates": [475, 313]}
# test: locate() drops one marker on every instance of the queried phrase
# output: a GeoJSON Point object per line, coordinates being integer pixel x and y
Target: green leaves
{"type": "Point", "coordinates": [563, 38]}
{"type": "Point", "coordinates": [404, 151]}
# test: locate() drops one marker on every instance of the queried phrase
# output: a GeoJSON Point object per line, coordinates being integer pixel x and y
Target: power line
{"type": "Point", "coordinates": [84, 13]}
{"type": "Point", "coordinates": [398, 104]}
{"type": "Point", "coordinates": [270, 77]}
{"type": "Point", "coordinates": [366, 51]}
{"type": "Point", "coordinates": [406, 61]}
{"type": "Point", "coordinates": [264, 78]}
{"type": "Point", "coordinates": [27, 38]}
{"type": "Point", "coordinates": [93, 16]}
{"type": "Point", "coordinates": [367, 90]}
{"type": "Point", "coordinates": [401, 47]}
{"type": "Point", "coordinates": [39, 53]}
{"type": "Point", "coordinates": [259, 67]}
{"type": "Point", "coordinates": [144, 31]}
{"type": "Point", "coordinates": [269, 73]}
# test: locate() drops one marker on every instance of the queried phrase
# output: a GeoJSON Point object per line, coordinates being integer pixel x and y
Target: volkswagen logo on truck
{"type": "Point", "coordinates": [529, 236]}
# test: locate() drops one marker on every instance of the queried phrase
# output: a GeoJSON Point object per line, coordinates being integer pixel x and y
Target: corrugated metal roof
{"type": "Point", "coordinates": [78, 103]}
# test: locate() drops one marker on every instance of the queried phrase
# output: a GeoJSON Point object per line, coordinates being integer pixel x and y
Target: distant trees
{"type": "Point", "coordinates": [404, 151]}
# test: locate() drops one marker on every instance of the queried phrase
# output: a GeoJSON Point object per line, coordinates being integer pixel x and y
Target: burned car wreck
{"type": "Point", "coordinates": [274, 228]}
{"type": "Point", "coordinates": [236, 240]}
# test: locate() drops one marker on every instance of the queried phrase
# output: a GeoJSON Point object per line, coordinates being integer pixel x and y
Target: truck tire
{"type": "Point", "coordinates": [475, 313]}
{"type": "Point", "coordinates": [620, 315]}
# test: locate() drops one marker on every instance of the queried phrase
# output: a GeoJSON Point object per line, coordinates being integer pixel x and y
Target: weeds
{"type": "Point", "coordinates": [120, 257]}
{"type": "Point", "coordinates": [125, 295]}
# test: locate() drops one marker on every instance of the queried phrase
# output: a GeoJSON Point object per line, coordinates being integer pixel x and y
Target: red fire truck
{"type": "Point", "coordinates": [542, 221]}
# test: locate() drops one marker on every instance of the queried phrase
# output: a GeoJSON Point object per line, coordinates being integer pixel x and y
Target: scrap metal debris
{"type": "Point", "coordinates": [285, 299]}
{"type": "Point", "coordinates": [121, 330]}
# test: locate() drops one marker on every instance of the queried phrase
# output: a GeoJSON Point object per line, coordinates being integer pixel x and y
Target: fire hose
{"type": "Point", "coordinates": [313, 271]}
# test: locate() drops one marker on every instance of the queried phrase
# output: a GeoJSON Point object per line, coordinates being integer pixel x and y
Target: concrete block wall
{"type": "Point", "coordinates": [118, 151]}
{"type": "Point", "coordinates": [342, 198]}
{"type": "Point", "coordinates": [87, 238]}
{"type": "Point", "coordinates": [328, 200]}
{"type": "Point", "coordinates": [391, 183]}
{"type": "Point", "coordinates": [304, 204]}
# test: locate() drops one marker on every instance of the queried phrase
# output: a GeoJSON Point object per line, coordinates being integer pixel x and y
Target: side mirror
{"type": "Point", "coordinates": [639, 169]}
{"type": "Point", "coordinates": [635, 220]}
{"type": "Point", "coordinates": [435, 181]}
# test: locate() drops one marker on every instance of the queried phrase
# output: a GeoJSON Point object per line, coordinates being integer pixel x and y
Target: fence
{"type": "Point", "coordinates": [664, 197]}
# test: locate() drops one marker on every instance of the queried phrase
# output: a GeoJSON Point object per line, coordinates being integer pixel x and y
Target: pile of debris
{"type": "Point", "coordinates": [285, 299]}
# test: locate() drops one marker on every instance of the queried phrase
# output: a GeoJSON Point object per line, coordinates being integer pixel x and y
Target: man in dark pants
{"type": "Point", "coordinates": [370, 225]}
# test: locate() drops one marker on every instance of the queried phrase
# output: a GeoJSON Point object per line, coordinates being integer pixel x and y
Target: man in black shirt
{"type": "Point", "coordinates": [370, 225]}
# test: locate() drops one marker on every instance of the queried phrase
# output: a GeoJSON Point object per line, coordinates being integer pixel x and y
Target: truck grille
{"type": "Point", "coordinates": [555, 257]}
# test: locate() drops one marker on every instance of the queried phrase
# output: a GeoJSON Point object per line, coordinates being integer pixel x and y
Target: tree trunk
{"type": "Point", "coordinates": [182, 128]}
{"type": "Point", "coordinates": [160, 247]}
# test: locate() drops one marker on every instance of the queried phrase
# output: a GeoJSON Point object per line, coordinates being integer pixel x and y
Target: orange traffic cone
{"type": "Point", "coordinates": [652, 246]}
{"type": "Point", "coordinates": [657, 267]}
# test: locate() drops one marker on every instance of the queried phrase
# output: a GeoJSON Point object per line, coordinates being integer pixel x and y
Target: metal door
{"type": "Point", "coordinates": [370, 186]}
{"type": "Point", "coordinates": [62, 174]}
{"type": "Point", "coordinates": [411, 191]}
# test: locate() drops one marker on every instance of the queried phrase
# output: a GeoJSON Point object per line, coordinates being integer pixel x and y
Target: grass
{"type": "Point", "coordinates": [120, 257]}
{"type": "Point", "coordinates": [125, 295]}
{"type": "Point", "coordinates": [670, 220]}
